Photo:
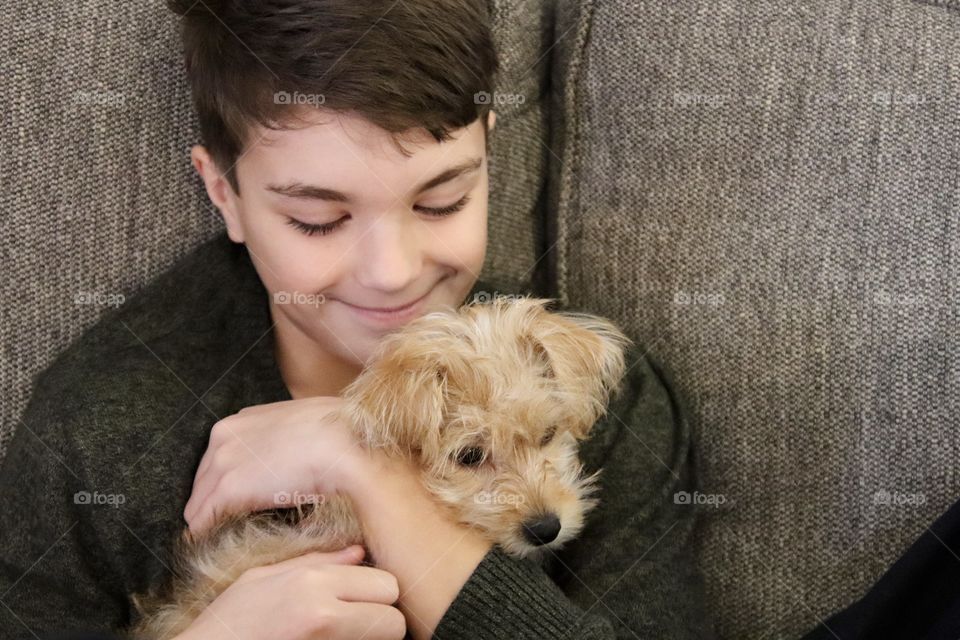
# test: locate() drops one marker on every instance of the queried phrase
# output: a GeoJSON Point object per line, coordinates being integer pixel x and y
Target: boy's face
{"type": "Point", "coordinates": [391, 237]}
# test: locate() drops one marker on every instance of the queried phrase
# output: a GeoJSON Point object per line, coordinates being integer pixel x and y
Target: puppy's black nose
{"type": "Point", "coordinates": [542, 529]}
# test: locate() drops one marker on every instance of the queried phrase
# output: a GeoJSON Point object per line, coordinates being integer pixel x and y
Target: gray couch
{"type": "Point", "coordinates": [765, 194]}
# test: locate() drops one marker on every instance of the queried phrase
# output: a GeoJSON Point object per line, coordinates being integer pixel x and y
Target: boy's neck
{"type": "Point", "coordinates": [306, 370]}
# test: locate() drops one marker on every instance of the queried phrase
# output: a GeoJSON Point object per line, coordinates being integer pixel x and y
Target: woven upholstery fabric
{"type": "Point", "coordinates": [765, 195]}
{"type": "Point", "coordinates": [98, 195]}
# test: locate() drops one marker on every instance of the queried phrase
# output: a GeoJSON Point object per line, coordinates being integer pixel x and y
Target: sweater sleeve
{"type": "Point", "coordinates": [52, 576]}
{"type": "Point", "coordinates": [631, 573]}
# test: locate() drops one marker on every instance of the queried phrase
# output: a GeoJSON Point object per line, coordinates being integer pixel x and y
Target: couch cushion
{"type": "Point", "coordinates": [98, 192]}
{"type": "Point", "coordinates": [765, 195]}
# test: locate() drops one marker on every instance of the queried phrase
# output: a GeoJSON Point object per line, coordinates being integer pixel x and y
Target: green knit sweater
{"type": "Point", "coordinates": [95, 480]}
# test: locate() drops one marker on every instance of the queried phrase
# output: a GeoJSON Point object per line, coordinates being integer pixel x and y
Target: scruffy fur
{"type": "Point", "coordinates": [507, 379]}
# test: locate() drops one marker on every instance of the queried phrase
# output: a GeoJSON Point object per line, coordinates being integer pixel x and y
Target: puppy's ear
{"type": "Point", "coordinates": [585, 356]}
{"type": "Point", "coordinates": [398, 402]}
{"type": "Point", "coordinates": [536, 355]}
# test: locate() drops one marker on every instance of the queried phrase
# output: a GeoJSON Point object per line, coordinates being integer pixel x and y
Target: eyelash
{"type": "Point", "coordinates": [324, 229]}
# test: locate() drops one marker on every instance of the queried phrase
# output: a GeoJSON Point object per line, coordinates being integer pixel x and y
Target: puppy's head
{"type": "Point", "coordinates": [491, 402]}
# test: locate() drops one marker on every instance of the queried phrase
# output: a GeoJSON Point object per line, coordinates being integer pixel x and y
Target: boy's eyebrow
{"type": "Point", "coordinates": [314, 192]}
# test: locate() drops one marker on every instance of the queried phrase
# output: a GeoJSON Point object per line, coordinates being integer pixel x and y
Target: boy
{"type": "Point", "coordinates": [347, 153]}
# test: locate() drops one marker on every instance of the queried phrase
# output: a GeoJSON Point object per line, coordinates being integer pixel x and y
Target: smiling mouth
{"type": "Point", "coordinates": [391, 309]}
{"type": "Point", "coordinates": [400, 309]}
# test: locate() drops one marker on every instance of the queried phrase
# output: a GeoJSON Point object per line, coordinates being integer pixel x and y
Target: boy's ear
{"type": "Point", "coordinates": [219, 191]}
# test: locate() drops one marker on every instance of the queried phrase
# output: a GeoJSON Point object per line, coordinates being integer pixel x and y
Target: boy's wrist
{"type": "Point", "coordinates": [366, 471]}
{"type": "Point", "coordinates": [408, 533]}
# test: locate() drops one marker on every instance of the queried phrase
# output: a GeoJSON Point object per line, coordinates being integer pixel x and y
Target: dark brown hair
{"type": "Point", "coordinates": [401, 65]}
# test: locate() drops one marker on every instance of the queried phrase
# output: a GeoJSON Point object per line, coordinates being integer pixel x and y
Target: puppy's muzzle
{"type": "Point", "coordinates": [542, 529]}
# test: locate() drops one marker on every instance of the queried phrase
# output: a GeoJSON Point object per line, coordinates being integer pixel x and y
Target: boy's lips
{"type": "Point", "coordinates": [390, 317]}
{"type": "Point", "coordinates": [390, 309]}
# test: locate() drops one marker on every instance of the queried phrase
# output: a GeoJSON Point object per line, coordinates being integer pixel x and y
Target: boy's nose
{"type": "Point", "coordinates": [390, 259]}
{"type": "Point", "coordinates": [542, 529]}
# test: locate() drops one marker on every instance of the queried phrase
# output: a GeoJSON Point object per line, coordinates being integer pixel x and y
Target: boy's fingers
{"type": "Point", "coordinates": [199, 521]}
{"type": "Point", "coordinates": [204, 463]}
{"type": "Point", "coordinates": [366, 584]}
{"type": "Point", "coordinates": [202, 487]}
{"type": "Point", "coordinates": [206, 512]}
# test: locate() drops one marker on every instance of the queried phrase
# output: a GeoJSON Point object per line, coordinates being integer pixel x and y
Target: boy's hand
{"type": "Point", "coordinates": [316, 595]}
{"type": "Point", "coordinates": [278, 447]}
{"type": "Point", "coordinates": [263, 454]}
{"type": "Point", "coordinates": [409, 534]}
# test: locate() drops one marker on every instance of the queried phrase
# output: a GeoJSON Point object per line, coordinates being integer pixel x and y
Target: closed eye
{"type": "Point", "coordinates": [447, 210]}
{"type": "Point", "coordinates": [315, 229]}
{"type": "Point", "coordinates": [324, 229]}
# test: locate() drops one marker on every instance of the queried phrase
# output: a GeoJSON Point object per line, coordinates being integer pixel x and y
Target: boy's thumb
{"type": "Point", "coordinates": [348, 555]}
{"type": "Point", "coordinates": [352, 553]}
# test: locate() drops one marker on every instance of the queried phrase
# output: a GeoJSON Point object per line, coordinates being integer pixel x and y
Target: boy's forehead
{"type": "Point", "coordinates": [343, 146]}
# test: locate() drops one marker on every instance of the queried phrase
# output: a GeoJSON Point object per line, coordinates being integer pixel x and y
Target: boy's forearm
{"type": "Point", "coordinates": [411, 537]}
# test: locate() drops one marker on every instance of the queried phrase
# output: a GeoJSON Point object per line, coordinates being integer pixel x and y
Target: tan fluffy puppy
{"type": "Point", "coordinates": [490, 402]}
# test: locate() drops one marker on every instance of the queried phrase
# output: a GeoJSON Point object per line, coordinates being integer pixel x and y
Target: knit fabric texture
{"type": "Point", "coordinates": [765, 194]}
{"type": "Point", "coordinates": [93, 488]}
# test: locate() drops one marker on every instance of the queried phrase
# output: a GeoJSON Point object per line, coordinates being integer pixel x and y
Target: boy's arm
{"type": "Point", "coordinates": [49, 578]}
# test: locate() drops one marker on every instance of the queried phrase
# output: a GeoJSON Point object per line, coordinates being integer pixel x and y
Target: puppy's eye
{"type": "Point", "coordinates": [470, 456]}
{"type": "Point", "coordinates": [548, 435]}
